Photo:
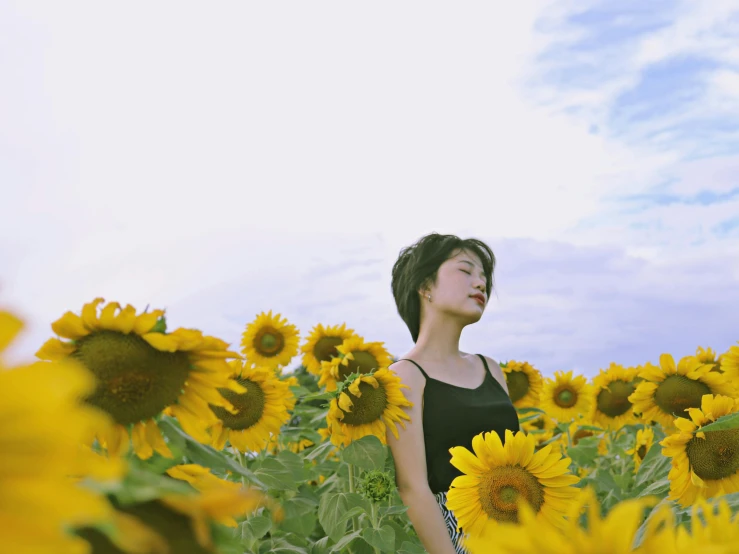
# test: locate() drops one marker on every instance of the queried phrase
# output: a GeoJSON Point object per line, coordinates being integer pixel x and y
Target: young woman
{"type": "Point", "coordinates": [441, 284]}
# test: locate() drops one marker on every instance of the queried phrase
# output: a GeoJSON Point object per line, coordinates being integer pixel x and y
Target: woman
{"type": "Point", "coordinates": [441, 284]}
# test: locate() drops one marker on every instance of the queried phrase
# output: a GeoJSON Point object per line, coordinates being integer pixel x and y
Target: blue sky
{"type": "Point", "coordinates": [222, 161]}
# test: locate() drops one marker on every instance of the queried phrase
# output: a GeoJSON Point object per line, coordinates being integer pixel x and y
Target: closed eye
{"type": "Point", "coordinates": [467, 272]}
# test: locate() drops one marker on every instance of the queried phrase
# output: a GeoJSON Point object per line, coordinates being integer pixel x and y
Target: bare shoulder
{"type": "Point", "coordinates": [497, 372]}
{"type": "Point", "coordinates": [409, 375]}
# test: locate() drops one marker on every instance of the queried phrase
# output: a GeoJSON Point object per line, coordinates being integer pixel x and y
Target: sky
{"type": "Point", "coordinates": [225, 160]}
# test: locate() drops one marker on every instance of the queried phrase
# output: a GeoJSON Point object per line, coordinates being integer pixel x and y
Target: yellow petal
{"type": "Point", "coordinates": [108, 317]}
{"type": "Point", "coordinates": [70, 326]}
{"type": "Point", "coordinates": [145, 322]}
{"type": "Point", "coordinates": [55, 350]}
{"type": "Point", "coordinates": [126, 319]}
{"type": "Point", "coordinates": [89, 314]}
{"type": "Point", "coordinates": [160, 341]}
{"type": "Point", "coordinates": [10, 326]}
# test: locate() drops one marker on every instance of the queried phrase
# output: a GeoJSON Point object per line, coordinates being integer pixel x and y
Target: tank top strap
{"type": "Point", "coordinates": [418, 366]}
{"type": "Point", "coordinates": [485, 363]}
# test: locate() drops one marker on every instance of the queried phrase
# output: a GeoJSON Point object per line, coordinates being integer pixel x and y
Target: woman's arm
{"type": "Point", "coordinates": [410, 468]}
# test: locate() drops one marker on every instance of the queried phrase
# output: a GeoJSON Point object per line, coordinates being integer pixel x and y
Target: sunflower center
{"type": "Point", "coordinates": [269, 341]}
{"type": "Point", "coordinates": [565, 397]}
{"type": "Point", "coordinates": [580, 434]}
{"type": "Point", "coordinates": [518, 385]}
{"type": "Point", "coordinates": [250, 406]}
{"type": "Point", "coordinates": [501, 488]}
{"type": "Point", "coordinates": [642, 451]}
{"type": "Point", "coordinates": [677, 393]}
{"type": "Point", "coordinates": [325, 348]}
{"type": "Point", "coordinates": [363, 362]}
{"type": "Point", "coordinates": [369, 407]}
{"type": "Point", "coordinates": [614, 400]}
{"type": "Point", "coordinates": [135, 381]}
{"type": "Point", "coordinates": [716, 456]}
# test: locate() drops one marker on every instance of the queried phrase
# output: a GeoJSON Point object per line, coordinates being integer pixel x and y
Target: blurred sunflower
{"type": "Point", "coordinates": [610, 405]}
{"type": "Point", "coordinates": [200, 478]}
{"type": "Point", "coordinates": [141, 371]}
{"type": "Point", "coordinates": [184, 521]}
{"type": "Point", "coordinates": [524, 383]}
{"type": "Point", "coordinates": [497, 477]}
{"type": "Point", "coordinates": [321, 344]}
{"type": "Point", "coordinates": [43, 424]}
{"type": "Point", "coordinates": [730, 362]}
{"type": "Point", "coordinates": [668, 391]}
{"type": "Point", "coordinates": [643, 442]}
{"type": "Point", "coordinates": [355, 355]}
{"type": "Point", "coordinates": [269, 341]}
{"type": "Point", "coordinates": [262, 410]}
{"type": "Point", "coordinates": [565, 398]}
{"type": "Point", "coordinates": [582, 429]}
{"type": "Point", "coordinates": [711, 528]}
{"type": "Point", "coordinates": [613, 534]}
{"type": "Point", "coordinates": [708, 356]}
{"type": "Point", "coordinates": [703, 464]}
{"type": "Point", "coordinates": [542, 428]}
{"type": "Point", "coordinates": [370, 405]}
{"type": "Point", "coordinates": [274, 446]}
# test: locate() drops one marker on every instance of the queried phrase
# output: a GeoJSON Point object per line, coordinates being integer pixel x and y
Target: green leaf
{"type": "Point", "coordinates": [653, 467]}
{"type": "Point", "coordinates": [205, 455]}
{"type": "Point", "coordinates": [141, 486]}
{"type": "Point", "coordinates": [323, 449]}
{"type": "Point", "coordinates": [401, 535]}
{"type": "Point", "coordinates": [331, 508]}
{"type": "Point", "coordinates": [318, 396]}
{"type": "Point", "coordinates": [383, 538]}
{"type": "Point", "coordinates": [258, 526]}
{"type": "Point", "coordinates": [275, 474]}
{"type": "Point", "coordinates": [658, 488]}
{"type": "Point", "coordinates": [368, 453]}
{"type": "Point", "coordinates": [411, 548]}
{"type": "Point", "coordinates": [392, 510]}
{"type": "Point", "coordinates": [729, 421]}
{"type": "Point", "coordinates": [294, 463]}
{"type": "Point", "coordinates": [302, 524]}
{"type": "Point", "coordinates": [320, 546]}
{"type": "Point", "coordinates": [344, 542]}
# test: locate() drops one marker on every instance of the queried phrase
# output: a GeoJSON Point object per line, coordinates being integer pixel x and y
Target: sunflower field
{"type": "Point", "coordinates": [129, 436]}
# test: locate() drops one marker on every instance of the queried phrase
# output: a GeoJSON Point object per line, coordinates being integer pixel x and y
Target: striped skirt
{"type": "Point", "coordinates": [451, 523]}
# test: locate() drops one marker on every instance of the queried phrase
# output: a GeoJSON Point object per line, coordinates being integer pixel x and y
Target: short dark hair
{"type": "Point", "coordinates": [418, 265]}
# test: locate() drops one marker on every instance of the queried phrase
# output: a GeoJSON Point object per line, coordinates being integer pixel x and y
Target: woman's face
{"type": "Point", "coordinates": [459, 278]}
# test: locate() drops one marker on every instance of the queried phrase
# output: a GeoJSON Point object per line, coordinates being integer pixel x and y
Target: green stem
{"type": "Point", "coordinates": [352, 489]}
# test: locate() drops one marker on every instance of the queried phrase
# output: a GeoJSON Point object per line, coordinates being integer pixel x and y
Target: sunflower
{"type": "Point", "coordinates": [497, 476]}
{"type": "Point", "coordinates": [708, 356]}
{"type": "Point", "coordinates": [578, 430]}
{"type": "Point", "coordinates": [274, 446]}
{"type": "Point", "coordinates": [200, 478]}
{"type": "Point", "coordinates": [610, 406]}
{"type": "Point", "coordinates": [141, 371]}
{"type": "Point", "coordinates": [541, 428]}
{"type": "Point", "coordinates": [612, 535]}
{"type": "Point", "coordinates": [320, 346]}
{"type": "Point", "coordinates": [703, 464]}
{"type": "Point", "coordinates": [730, 361]}
{"type": "Point", "coordinates": [269, 341]}
{"type": "Point", "coordinates": [669, 390]}
{"type": "Point", "coordinates": [43, 423]}
{"type": "Point", "coordinates": [355, 355]}
{"type": "Point", "coordinates": [565, 398]}
{"type": "Point", "coordinates": [524, 383]}
{"type": "Point", "coordinates": [184, 521]}
{"type": "Point", "coordinates": [642, 444]}
{"type": "Point", "coordinates": [262, 410]}
{"type": "Point", "coordinates": [368, 406]}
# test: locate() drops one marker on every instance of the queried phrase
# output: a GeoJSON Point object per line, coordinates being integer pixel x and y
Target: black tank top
{"type": "Point", "coordinates": [453, 415]}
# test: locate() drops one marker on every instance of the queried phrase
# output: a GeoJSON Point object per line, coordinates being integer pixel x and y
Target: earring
{"type": "Point", "coordinates": [429, 297]}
